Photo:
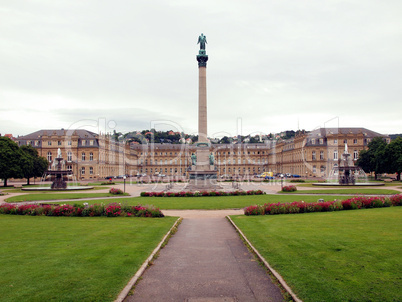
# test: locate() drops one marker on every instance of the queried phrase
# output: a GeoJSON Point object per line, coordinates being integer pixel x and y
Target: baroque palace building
{"type": "Point", "coordinates": [87, 154]}
{"type": "Point", "coordinates": [90, 156]}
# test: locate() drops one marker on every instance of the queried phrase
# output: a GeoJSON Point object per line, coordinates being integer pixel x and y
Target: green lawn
{"type": "Point", "coordinates": [373, 182]}
{"type": "Point", "coordinates": [347, 191]}
{"type": "Point", "coordinates": [335, 256]}
{"type": "Point", "coordinates": [57, 196]}
{"type": "Point", "coordinates": [71, 258]}
{"type": "Point", "coordinates": [211, 203]}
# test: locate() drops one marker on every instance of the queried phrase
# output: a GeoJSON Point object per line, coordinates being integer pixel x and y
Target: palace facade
{"type": "Point", "coordinates": [91, 156]}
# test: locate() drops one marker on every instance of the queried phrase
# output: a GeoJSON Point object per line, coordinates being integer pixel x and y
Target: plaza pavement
{"type": "Point", "coordinates": [205, 260]}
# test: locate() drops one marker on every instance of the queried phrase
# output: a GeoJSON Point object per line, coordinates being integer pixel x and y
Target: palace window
{"type": "Point", "coordinates": [49, 156]}
{"type": "Point", "coordinates": [355, 154]}
{"type": "Point", "coordinates": [69, 156]}
{"type": "Point", "coordinates": [322, 169]}
{"type": "Point", "coordinates": [69, 143]}
{"type": "Point", "coordinates": [313, 156]}
{"type": "Point", "coordinates": [49, 143]}
{"type": "Point", "coordinates": [91, 170]}
{"type": "Point", "coordinates": [83, 155]}
{"type": "Point", "coordinates": [321, 155]}
{"type": "Point", "coordinates": [69, 168]}
{"type": "Point", "coordinates": [314, 169]}
{"type": "Point", "coordinates": [336, 155]}
{"type": "Point", "coordinates": [355, 141]}
{"type": "Point", "coordinates": [91, 156]}
{"type": "Point", "coordinates": [83, 170]}
{"type": "Point", "coordinates": [58, 143]}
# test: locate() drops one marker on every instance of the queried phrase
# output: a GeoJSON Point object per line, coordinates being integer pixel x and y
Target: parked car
{"type": "Point", "coordinates": [269, 177]}
{"type": "Point", "coordinates": [109, 177]}
{"type": "Point", "coordinates": [296, 176]}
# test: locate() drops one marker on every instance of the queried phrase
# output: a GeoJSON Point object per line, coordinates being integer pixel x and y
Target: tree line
{"type": "Point", "coordinates": [382, 157]}
{"type": "Point", "coordinates": [20, 162]}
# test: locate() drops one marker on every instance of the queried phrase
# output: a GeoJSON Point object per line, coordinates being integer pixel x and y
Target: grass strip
{"type": "Point", "coordinates": [73, 258]}
{"type": "Point", "coordinates": [58, 196]}
{"type": "Point", "coordinates": [333, 256]}
{"type": "Point", "coordinates": [211, 202]}
{"type": "Point", "coordinates": [353, 191]}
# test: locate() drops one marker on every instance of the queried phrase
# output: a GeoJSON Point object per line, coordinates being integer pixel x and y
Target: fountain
{"type": "Point", "coordinates": [347, 174]}
{"type": "Point", "coordinates": [59, 177]}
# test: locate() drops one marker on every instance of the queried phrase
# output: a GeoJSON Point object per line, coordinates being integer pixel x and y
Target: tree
{"type": "Point", "coordinates": [393, 153]}
{"type": "Point", "coordinates": [374, 159]}
{"type": "Point", "coordinates": [37, 165]}
{"type": "Point", "coordinates": [10, 160]}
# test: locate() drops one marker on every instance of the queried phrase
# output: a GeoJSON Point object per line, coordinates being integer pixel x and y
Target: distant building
{"type": "Point", "coordinates": [89, 155]}
{"type": "Point", "coordinates": [315, 153]}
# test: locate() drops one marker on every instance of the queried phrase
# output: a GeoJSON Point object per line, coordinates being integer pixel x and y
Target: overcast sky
{"type": "Point", "coordinates": [131, 65]}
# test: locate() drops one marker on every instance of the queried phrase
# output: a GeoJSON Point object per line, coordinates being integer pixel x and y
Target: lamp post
{"type": "Point", "coordinates": [281, 182]}
{"type": "Point", "coordinates": [124, 179]}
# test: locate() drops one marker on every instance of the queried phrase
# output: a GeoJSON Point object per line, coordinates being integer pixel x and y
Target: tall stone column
{"type": "Point", "coordinates": [202, 175]}
{"type": "Point", "coordinates": [202, 98]}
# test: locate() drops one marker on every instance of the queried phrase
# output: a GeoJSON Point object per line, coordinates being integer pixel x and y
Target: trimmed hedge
{"type": "Point", "coordinates": [325, 206]}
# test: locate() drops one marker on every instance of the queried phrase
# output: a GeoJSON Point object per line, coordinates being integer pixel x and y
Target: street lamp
{"type": "Point", "coordinates": [124, 178]}
{"type": "Point", "coordinates": [281, 182]}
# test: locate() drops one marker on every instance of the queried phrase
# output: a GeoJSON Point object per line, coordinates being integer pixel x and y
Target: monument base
{"type": "Point", "coordinates": [203, 181]}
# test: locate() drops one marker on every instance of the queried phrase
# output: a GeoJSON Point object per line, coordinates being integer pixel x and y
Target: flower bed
{"type": "Point", "coordinates": [201, 193]}
{"type": "Point", "coordinates": [325, 206]}
{"type": "Point", "coordinates": [289, 189]}
{"type": "Point", "coordinates": [115, 191]}
{"type": "Point", "coordinates": [110, 210]}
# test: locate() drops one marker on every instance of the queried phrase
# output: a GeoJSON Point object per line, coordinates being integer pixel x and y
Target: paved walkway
{"type": "Point", "coordinates": [205, 261]}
